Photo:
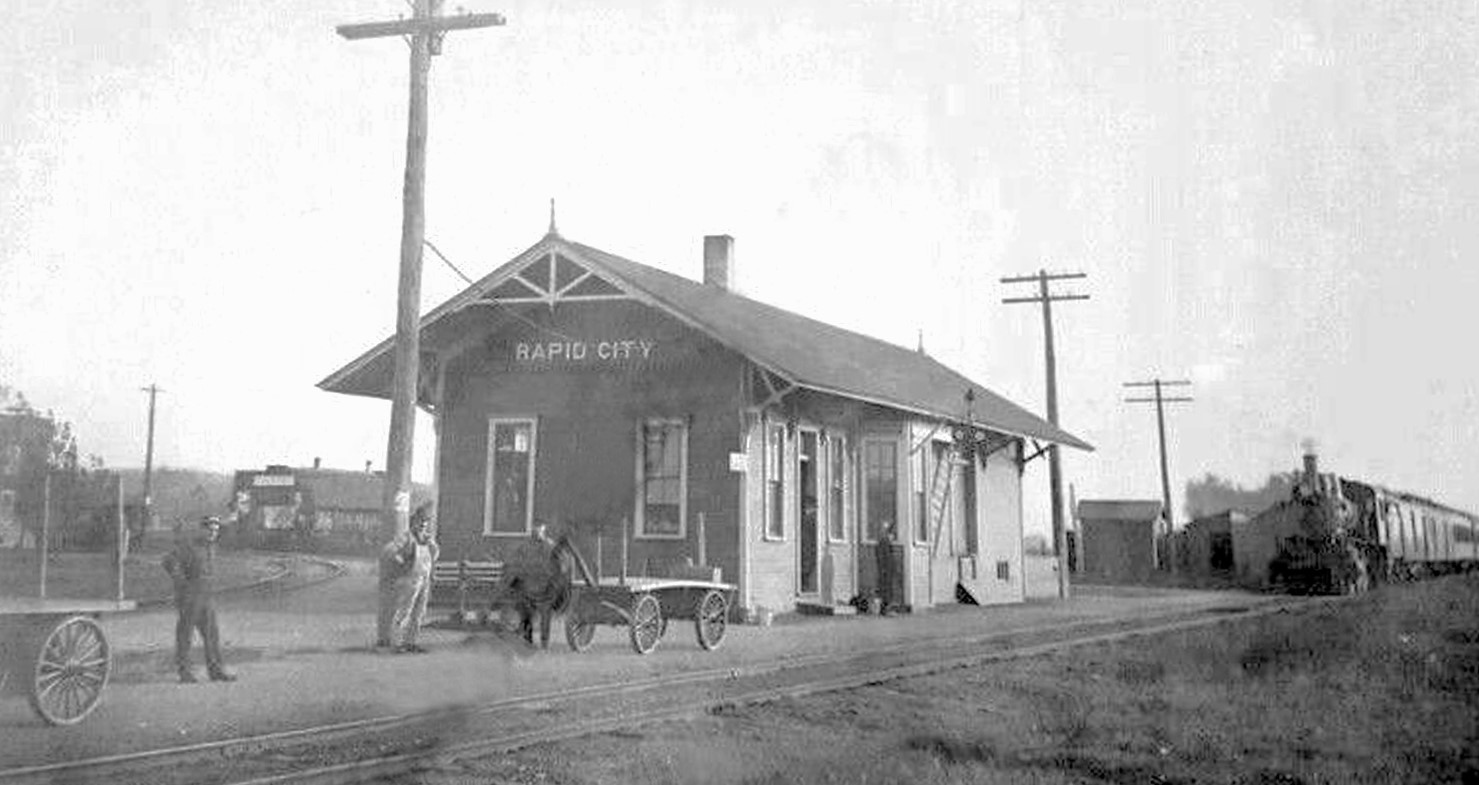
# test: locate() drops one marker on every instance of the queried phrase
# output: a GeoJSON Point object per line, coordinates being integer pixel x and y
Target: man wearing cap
{"type": "Point", "coordinates": [405, 568]}
{"type": "Point", "coordinates": [190, 564]}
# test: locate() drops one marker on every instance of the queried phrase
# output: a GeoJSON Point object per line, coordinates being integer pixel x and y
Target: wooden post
{"type": "Point", "coordinates": [624, 525]}
{"type": "Point", "coordinates": [120, 542]}
{"type": "Point", "coordinates": [703, 545]}
{"type": "Point", "coordinates": [45, 528]}
{"type": "Point", "coordinates": [600, 527]}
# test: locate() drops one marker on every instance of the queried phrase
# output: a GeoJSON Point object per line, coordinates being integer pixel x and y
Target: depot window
{"type": "Point", "coordinates": [775, 482]}
{"type": "Point", "coordinates": [662, 476]}
{"type": "Point", "coordinates": [880, 487]}
{"type": "Point", "coordinates": [836, 488]}
{"type": "Point", "coordinates": [510, 484]}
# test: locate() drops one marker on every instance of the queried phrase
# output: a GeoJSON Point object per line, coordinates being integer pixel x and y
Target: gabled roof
{"type": "Point", "coordinates": [805, 352]}
{"type": "Point", "coordinates": [1118, 510]}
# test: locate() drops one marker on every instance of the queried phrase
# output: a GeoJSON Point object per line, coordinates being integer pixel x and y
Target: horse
{"type": "Point", "coordinates": [538, 585]}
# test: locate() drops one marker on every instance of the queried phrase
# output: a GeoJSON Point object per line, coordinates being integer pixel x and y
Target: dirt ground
{"type": "Point", "coordinates": [1381, 689]}
{"type": "Point", "coordinates": [90, 575]}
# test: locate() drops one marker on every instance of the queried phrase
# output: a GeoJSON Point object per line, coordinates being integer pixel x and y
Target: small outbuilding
{"type": "Point", "coordinates": [317, 509]}
{"type": "Point", "coordinates": [1205, 546]}
{"type": "Point", "coordinates": [658, 420]}
{"type": "Point", "coordinates": [1119, 539]}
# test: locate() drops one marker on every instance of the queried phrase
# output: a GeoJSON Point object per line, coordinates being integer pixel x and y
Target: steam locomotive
{"type": "Point", "coordinates": [1339, 535]}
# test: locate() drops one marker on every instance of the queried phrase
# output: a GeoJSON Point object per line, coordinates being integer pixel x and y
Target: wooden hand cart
{"type": "Point", "coordinates": [54, 651]}
{"type": "Point", "coordinates": [644, 606]}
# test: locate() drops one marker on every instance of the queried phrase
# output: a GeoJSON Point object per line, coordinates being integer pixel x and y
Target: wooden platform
{"type": "Point", "coordinates": [60, 606]}
{"type": "Point", "coordinates": [814, 609]}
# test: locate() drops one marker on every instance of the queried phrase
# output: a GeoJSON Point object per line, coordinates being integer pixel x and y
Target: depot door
{"type": "Point", "coordinates": [808, 532]}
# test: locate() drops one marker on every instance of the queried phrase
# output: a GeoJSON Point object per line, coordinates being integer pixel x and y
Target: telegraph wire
{"type": "Point", "coordinates": [508, 309]}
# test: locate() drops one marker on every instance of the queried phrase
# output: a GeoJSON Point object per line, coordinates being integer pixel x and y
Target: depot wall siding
{"type": "Point", "coordinates": [999, 499]}
{"type": "Point", "coordinates": [773, 568]}
{"type": "Point", "coordinates": [587, 429]}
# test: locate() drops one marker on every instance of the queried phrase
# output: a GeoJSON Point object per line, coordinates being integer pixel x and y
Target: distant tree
{"type": "Point", "coordinates": [35, 445]}
{"type": "Point", "coordinates": [1211, 494]}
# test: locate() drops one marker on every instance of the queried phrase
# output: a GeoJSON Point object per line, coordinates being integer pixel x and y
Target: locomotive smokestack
{"type": "Point", "coordinates": [1311, 466]}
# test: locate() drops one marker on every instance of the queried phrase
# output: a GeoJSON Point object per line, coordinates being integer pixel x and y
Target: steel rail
{"type": "Point", "coordinates": [421, 761]}
{"type": "Point", "coordinates": [99, 767]}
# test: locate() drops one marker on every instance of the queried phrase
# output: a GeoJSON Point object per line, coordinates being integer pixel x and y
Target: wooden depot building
{"type": "Point", "coordinates": [662, 421]}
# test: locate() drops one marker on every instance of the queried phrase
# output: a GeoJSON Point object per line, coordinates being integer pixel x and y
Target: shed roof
{"type": "Point", "coordinates": [1118, 510]}
{"type": "Point", "coordinates": [343, 489]}
{"type": "Point", "coordinates": [806, 352]}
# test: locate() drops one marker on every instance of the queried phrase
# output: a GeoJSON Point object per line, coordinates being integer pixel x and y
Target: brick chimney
{"type": "Point", "coordinates": [317, 462]}
{"type": "Point", "coordinates": [719, 261]}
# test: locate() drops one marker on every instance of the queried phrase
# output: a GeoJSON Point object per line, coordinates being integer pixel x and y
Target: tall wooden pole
{"type": "Point", "coordinates": [1160, 400]}
{"type": "Point", "coordinates": [424, 30]}
{"type": "Point", "coordinates": [154, 391]}
{"type": "Point", "coordinates": [120, 541]}
{"type": "Point", "coordinates": [1055, 471]}
{"type": "Point", "coordinates": [45, 528]}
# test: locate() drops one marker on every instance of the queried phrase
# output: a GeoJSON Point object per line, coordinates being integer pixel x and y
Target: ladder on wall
{"type": "Point", "coordinates": [940, 485]}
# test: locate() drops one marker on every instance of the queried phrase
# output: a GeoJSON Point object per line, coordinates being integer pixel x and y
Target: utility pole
{"type": "Point", "coordinates": [154, 390]}
{"type": "Point", "coordinates": [423, 32]}
{"type": "Point", "coordinates": [1055, 471]}
{"type": "Point", "coordinates": [1160, 419]}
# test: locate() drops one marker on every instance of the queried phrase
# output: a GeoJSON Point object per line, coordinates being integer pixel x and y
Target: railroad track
{"type": "Point", "coordinates": [396, 745]}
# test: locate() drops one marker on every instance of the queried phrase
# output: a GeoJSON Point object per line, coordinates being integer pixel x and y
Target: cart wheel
{"type": "Point", "coordinates": [646, 623]}
{"type": "Point", "coordinates": [578, 633]}
{"type": "Point", "coordinates": [711, 619]}
{"type": "Point", "coordinates": [71, 671]}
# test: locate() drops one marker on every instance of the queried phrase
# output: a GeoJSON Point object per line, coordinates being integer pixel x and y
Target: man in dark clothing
{"type": "Point", "coordinates": [189, 564]}
{"type": "Point", "coordinates": [538, 583]}
{"type": "Point", "coordinates": [883, 554]}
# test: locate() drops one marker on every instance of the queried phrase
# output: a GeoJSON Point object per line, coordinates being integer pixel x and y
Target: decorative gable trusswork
{"type": "Point", "coordinates": [551, 277]}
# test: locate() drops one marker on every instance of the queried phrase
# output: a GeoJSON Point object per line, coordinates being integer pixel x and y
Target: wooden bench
{"type": "Point", "coordinates": [469, 585]}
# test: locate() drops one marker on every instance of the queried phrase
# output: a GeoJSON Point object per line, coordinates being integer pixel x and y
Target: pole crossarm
{"type": "Point", "coordinates": [419, 26]}
{"type": "Point", "coordinates": [1042, 276]}
{"type": "Point", "coordinates": [1158, 400]}
{"type": "Point", "coordinates": [1160, 382]}
{"type": "Point", "coordinates": [1052, 298]}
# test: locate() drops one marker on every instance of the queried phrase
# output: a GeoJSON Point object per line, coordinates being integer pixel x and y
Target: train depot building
{"type": "Point", "coordinates": [661, 422]}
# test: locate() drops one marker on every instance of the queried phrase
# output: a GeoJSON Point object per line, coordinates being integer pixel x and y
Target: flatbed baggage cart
{"type": "Point", "coordinates": [644, 606]}
{"type": "Point", "coordinates": [54, 651]}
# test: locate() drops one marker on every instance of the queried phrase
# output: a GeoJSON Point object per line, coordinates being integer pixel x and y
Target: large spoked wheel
{"type": "Point", "coordinates": [71, 671]}
{"type": "Point", "coordinates": [711, 619]}
{"type": "Point", "coordinates": [646, 623]}
{"type": "Point", "coordinates": [578, 633]}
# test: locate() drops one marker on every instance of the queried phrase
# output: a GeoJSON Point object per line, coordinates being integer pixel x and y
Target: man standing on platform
{"type": "Point", "coordinates": [405, 569]}
{"type": "Point", "coordinates": [190, 564]}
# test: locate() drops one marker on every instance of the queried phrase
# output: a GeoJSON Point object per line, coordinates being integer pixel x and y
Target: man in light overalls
{"type": "Point", "coordinates": [407, 561]}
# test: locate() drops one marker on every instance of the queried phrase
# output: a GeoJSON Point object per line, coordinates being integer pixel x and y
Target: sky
{"type": "Point", "coordinates": [1273, 200]}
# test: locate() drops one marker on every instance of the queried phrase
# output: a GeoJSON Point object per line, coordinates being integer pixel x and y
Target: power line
{"type": "Point", "coordinates": [507, 308]}
{"type": "Point", "coordinates": [444, 258]}
{"type": "Point", "coordinates": [1055, 471]}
